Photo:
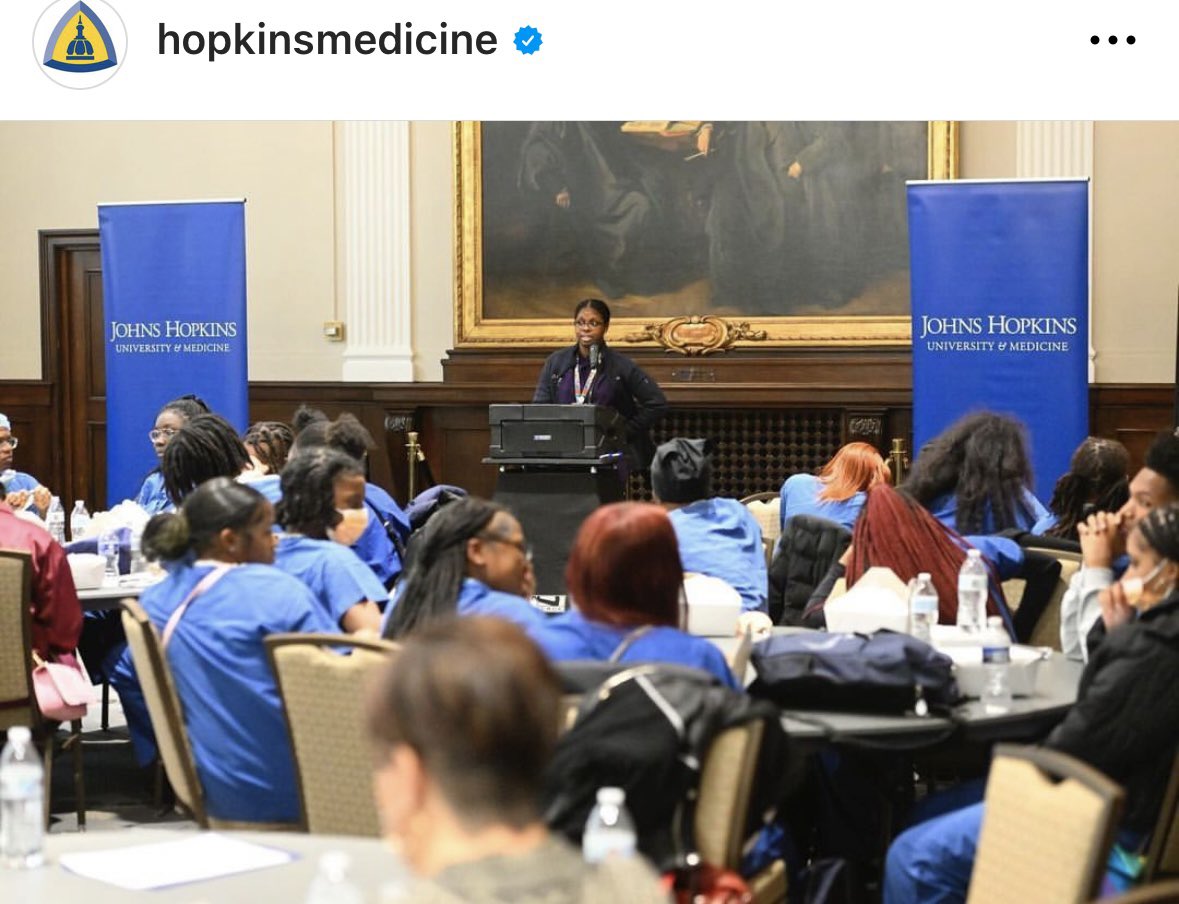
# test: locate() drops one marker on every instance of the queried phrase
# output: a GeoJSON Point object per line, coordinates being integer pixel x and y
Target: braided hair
{"type": "Point", "coordinates": [895, 532]}
{"type": "Point", "coordinates": [437, 564]}
{"type": "Point", "coordinates": [271, 442]}
{"type": "Point", "coordinates": [186, 406]}
{"type": "Point", "coordinates": [1160, 529]}
{"type": "Point", "coordinates": [204, 448]}
{"type": "Point", "coordinates": [1096, 481]}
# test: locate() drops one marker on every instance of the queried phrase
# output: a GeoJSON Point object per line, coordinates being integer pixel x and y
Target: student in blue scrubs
{"type": "Point", "coordinates": [24, 491]}
{"type": "Point", "coordinates": [152, 496]}
{"type": "Point", "coordinates": [840, 489]}
{"type": "Point", "coordinates": [624, 577]}
{"type": "Point", "coordinates": [974, 477]}
{"type": "Point", "coordinates": [322, 513]}
{"type": "Point", "coordinates": [471, 558]}
{"type": "Point", "coordinates": [382, 544]}
{"type": "Point", "coordinates": [717, 537]}
{"type": "Point", "coordinates": [232, 708]}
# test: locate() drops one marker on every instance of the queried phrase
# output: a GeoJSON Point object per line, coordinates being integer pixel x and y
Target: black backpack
{"type": "Point", "coordinates": [646, 730]}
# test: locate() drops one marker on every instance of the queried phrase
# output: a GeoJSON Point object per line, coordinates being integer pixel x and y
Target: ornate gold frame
{"type": "Point", "coordinates": [695, 335]}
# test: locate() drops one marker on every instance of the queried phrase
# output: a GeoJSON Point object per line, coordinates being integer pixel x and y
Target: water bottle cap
{"type": "Point", "coordinates": [335, 864]}
{"type": "Point", "coordinates": [995, 621]}
{"type": "Point", "coordinates": [973, 554]}
{"type": "Point", "coordinates": [20, 734]}
{"type": "Point", "coordinates": [923, 576]}
{"type": "Point", "coordinates": [612, 797]}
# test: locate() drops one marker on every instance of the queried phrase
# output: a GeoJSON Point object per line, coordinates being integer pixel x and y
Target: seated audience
{"type": "Point", "coordinates": [322, 513]}
{"type": "Point", "coordinates": [268, 444]}
{"type": "Point", "coordinates": [464, 722]}
{"type": "Point", "coordinates": [152, 496]}
{"type": "Point", "coordinates": [840, 489]}
{"type": "Point", "coordinates": [231, 703]}
{"type": "Point", "coordinates": [56, 612]}
{"type": "Point", "coordinates": [470, 559]}
{"type": "Point", "coordinates": [975, 476]}
{"type": "Point", "coordinates": [625, 578]}
{"type": "Point", "coordinates": [24, 490]}
{"type": "Point", "coordinates": [1096, 482]}
{"type": "Point", "coordinates": [205, 447]}
{"type": "Point", "coordinates": [1103, 543]}
{"type": "Point", "coordinates": [382, 544]}
{"type": "Point", "coordinates": [717, 537]}
{"type": "Point", "coordinates": [895, 532]}
{"type": "Point", "coordinates": [1125, 722]}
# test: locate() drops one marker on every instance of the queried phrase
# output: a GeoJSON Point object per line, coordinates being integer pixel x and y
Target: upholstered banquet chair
{"type": "Point", "coordinates": [322, 679]}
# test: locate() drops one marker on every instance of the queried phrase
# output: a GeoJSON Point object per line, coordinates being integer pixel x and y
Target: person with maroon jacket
{"type": "Point", "coordinates": [57, 614]}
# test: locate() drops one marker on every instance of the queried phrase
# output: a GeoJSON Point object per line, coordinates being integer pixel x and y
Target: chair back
{"type": "Point", "coordinates": [1047, 830]}
{"type": "Point", "coordinates": [1155, 893]}
{"type": "Point", "coordinates": [323, 698]}
{"type": "Point", "coordinates": [726, 782]}
{"type": "Point", "coordinates": [16, 681]}
{"type": "Point", "coordinates": [765, 507]}
{"type": "Point", "coordinates": [163, 705]}
{"type": "Point", "coordinates": [1162, 858]}
{"type": "Point", "coordinates": [1046, 632]}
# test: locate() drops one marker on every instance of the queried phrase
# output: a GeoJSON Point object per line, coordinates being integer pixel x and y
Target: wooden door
{"type": "Point", "coordinates": [73, 363]}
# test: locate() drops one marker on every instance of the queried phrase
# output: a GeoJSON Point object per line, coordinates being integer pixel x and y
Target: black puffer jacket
{"type": "Point", "coordinates": [1126, 718]}
{"type": "Point", "coordinates": [807, 549]}
{"type": "Point", "coordinates": [636, 396]}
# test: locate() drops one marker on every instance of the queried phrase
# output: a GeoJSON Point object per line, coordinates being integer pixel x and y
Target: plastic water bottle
{"type": "Point", "coordinates": [108, 548]}
{"type": "Point", "coordinates": [996, 657]}
{"type": "Point", "coordinates": [609, 831]}
{"type": "Point", "coordinates": [21, 815]}
{"type": "Point", "coordinates": [331, 884]}
{"type": "Point", "coordinates": [923, 607]}
{"type": "Point", "coordinates": [972, 592]}
{"type": "Point", "coordinates": [136, 564]}
{"type": "Point", "coordinates": [55, 520]}
{"type": "Point", "coordinates": [79, 521]}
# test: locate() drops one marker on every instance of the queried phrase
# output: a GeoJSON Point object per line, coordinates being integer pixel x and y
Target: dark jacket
{"type": "Point", "coordinates": [1126, 718]}
{"type": "Point", "coordinates": [637, 397]}
{"type": "Point", "coordinates": [808, 547]}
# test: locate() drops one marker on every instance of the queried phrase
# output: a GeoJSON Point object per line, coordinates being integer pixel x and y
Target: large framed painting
{"type": "Point", "coordinates": [700, 235]}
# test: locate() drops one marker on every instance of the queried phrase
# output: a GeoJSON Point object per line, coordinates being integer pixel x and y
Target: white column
{"type": "Point", "coordinates": [375, 211]}
{"type": "Point", "coordinates": [1046, 150]}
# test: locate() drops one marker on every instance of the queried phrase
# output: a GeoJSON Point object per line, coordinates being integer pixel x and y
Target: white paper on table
{"type": "Point", "coordinates": [160, 864]}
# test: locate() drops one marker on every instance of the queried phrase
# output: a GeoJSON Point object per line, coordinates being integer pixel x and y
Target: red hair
{"type": "Point", "coordinates": [625, 567]}
{"type": "Point", "coordinates": [896, 532]}
{"type": "Point", "coordinates": [855, 467]}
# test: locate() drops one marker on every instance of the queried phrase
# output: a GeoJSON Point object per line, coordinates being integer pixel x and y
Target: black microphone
{"type": "Point", "coordinates": [595, 352]}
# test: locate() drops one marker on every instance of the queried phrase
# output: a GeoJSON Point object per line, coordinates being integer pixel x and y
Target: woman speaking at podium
{"type": "Point", "coordinates": [590, 373]}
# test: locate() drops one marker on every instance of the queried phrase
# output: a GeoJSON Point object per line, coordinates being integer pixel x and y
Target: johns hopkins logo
{"type": "Point", "coordinates": [80, 45]}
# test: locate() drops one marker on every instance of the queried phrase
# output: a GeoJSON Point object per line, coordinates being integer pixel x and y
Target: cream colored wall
{"type": "Point", "coordinates": [54, 174]}
{"type": "Point", "coordinates": [1135, 250]}
{"type": "Point", "coordinates": [432, 190]}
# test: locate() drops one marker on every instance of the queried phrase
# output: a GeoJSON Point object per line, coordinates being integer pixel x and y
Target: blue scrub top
{"type": "Point", "coordinates": [153, 498]}
{"type": "Point", "coordinates": [337, 578]}
{"type": "Point", "coordinates": [374, 547]}
{"type": "Point", "coordinates": [945, 509]}
{"type": "Point", "coordinates": [800, 496]}
{"type": "Point", "coordinates": [476, 598]}
{"type": "Point", "coordinates": [1044, 525]}
{"type": "Point", "coordinates": [231, 702]}
{"type": "Point", "coordinates": [572, 636]}
{"type": "Point", "coordinates": [720, 538]}
{"type": "Point", "coordinates": [15, 481]}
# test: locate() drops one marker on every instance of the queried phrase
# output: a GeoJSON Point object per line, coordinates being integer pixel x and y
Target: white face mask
{"type": "Point", "coordinates": [352, 525]}
{"type": "Point", "coordinates": [1134, 587]}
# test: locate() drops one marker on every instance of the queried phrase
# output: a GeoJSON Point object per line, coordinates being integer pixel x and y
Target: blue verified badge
{"type": "Point", "coordinates": [527, 40]}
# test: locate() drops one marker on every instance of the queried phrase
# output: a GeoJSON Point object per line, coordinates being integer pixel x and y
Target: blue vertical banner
{"type": "Point", "coordinates": [1000, 289]}
{"type": "Point", "coordinates": [174, 311]}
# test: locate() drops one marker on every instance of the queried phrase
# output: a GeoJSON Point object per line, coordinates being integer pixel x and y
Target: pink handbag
{"type": "Point", "coordinates": [63, 691]}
